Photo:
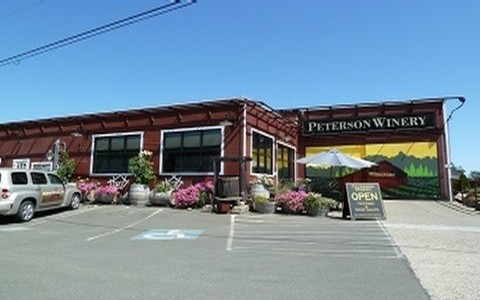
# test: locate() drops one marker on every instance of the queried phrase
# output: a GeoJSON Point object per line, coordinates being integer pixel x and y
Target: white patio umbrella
{"type": "Point", "coordinates": [335, 158]}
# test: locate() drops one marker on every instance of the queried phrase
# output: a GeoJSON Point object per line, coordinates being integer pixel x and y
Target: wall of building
{"type": "Point", "coordinates": [420, 152]}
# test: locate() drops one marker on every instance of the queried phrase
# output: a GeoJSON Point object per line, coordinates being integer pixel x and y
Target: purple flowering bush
{"type": "Point", "coordinates": [292, 200]}
{"type": "Point", "coordinates": [194, 195]}
{"type": "Point", "coordinates": [106, 194]}
{"type": "Point", "coordinates": [85, 187]}
{"type": "Point", "coordinates": [106, 190]}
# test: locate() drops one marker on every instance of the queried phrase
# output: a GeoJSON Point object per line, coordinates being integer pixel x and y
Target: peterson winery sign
{"type": "Point", "coordinates": [365, 124]}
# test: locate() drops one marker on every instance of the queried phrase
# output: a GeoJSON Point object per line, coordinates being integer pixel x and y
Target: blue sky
{"type": "Point", "coordinates": [286, 53]}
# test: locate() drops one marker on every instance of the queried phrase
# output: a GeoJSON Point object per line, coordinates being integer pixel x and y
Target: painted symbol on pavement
{"type": "Point", "coordinates": [169, 234]}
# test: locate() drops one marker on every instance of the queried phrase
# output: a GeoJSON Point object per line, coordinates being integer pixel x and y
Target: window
{"type": "Point", "coordinates": [19, 178]}
{"type": "Point", "coordinates": [21, 163]}
{"type": "Point", "coordinates": [112, 153]}
{"type": "Point", "coordinates": [38, 178]}
{"type": "Point", "coordinates": [43, 166]}
{"type": "Point", "coordinates": [191, 151]}
{"type": "Point", "coordinates": [285, 162]}
{"type": "Point", "coordinates": [54, 179]}
{"type": "Point", "coordinates": [262, 153]}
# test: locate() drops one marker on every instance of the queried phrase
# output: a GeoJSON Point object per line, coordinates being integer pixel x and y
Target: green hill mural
{"type": "Point", "coordinates": [413, 166]}
{"type": "Point", "coordinates": [421, 167]}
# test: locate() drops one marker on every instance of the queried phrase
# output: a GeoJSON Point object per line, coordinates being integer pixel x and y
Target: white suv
{"type": "Point", "coordinates": [24, 192]}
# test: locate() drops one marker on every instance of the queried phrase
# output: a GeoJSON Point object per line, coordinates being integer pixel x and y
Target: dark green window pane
{"type": "Point", "coordinates": [211, 138]}
{"type": "Point", "coordinates": [101, 144]}
{"type": "Point", "coordinates": [173, 140]}
{"type": "Point", "coordinates": [191, 151]}
{"type": "Point", "coordinates": [111, 154]}
{"type": "Point", "coordinates": [133, 143]}
{"type": "Point", "coordinates": [262, 152]}
{"type": "Point", "coordinates": [191, 139]}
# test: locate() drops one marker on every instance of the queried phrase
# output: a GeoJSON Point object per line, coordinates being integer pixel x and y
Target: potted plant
{"type": "Point", "coordinates": [317, 205]}
{"type": "Point", "coordinates": [88, 190]}
{"type": "Point", "coordinates": [106, 194]}
{"type": "Point", "coordinates": [292, 201]}
{"type": "Point", "coordinates": [141, 168]}
{"type": "Point", "coordinates": [194, 195]}
{"type": "Point", "coordinates": [162, 192]}
{"type": "Point", "coordinates": [263, 205]}
{"type": "Point", "coordinates": [262, 186]}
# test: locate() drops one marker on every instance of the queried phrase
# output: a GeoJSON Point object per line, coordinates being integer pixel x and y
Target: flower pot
{"type": "Point", "coordinates": [104, 198]}
{"type": "Point", "coordinates": [160, 198]}
{"type": "Point", "coordinates": [317, 212]}
{"type": "Point", "coordinates": [265, 207]}
{"type": "Point", "coordinates": [259, 190]}
{"type": "Point", "coordinates": [138, 194]}
{"type": "Point", "coordinates": [223, 207]}
{"type": "Point", "coordinates": [88, 196]}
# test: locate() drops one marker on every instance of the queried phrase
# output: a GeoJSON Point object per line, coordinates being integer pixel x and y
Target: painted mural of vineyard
{"type": "Point", "coordinates": [420, 166]}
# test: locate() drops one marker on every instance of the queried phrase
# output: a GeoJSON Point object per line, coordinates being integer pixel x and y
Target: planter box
{"type": "Point", "coordinates": [228, 187]}
{"type": "Point", "coordinates": [223, 207]}
{"type": "Point", "coordinates": [318, 212]}
{"type": "Point", "coordinates": [160, 198]}
{"type": "Point", "coordinates": [265, 207]}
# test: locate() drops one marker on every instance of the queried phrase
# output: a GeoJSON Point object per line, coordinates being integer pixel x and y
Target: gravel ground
{"type": "Point", "coordinates": [441, 242]}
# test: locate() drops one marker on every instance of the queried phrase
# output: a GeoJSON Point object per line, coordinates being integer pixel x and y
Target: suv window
{"type": "Point", "coordinates": [54, 179]}
{"type": "Point", "coordinates": [38, 178]}
{"type": "Point", "coordinates": [19, 178]}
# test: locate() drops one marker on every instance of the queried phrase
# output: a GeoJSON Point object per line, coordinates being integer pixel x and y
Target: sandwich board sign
{"type": "Point", "coordinates": [365, 200]}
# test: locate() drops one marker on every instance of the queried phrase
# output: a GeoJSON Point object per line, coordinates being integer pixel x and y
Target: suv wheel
{"type": "Point", "coordinates": [75, 201]}
{"type": "Point", "coordinates": [26, 210]}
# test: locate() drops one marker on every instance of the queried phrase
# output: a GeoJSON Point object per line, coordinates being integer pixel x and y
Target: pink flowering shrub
{"type": "Point", "coordinates": [293, 200]}
{"type": "Point", "coordinates": [194, 195]}
{"type": "Point", "coordinates": [106, 190]}
{"type": "Point", "coordinates": [86, 186]}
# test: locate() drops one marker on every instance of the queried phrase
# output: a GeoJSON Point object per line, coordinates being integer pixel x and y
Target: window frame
{"type": "Point", "coordinates": [25, 161]}
{"type": "Point", "coordinates": [112, 135]}
{"type": "Point", "coordinates": [273, 156]}
{"type": "Point", "coordinates": [42, 163]}
{"type": "Point", "coordinates": [190, 129]}
{"type": "Point", "coordinates": [294, 159]}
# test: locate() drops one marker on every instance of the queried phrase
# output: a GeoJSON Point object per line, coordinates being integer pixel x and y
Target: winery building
{"type": "Point", "coordinates": [407, 139]}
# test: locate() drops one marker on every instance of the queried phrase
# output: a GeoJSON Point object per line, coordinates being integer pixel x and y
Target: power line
{"type": "Point", "coordinates": [160, 10]}
{"type": "Point", "coordinates": [21, 10]}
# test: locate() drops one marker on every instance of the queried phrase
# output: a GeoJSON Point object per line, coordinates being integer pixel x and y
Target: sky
{"type": "Point", "coordinates": [287, 53]}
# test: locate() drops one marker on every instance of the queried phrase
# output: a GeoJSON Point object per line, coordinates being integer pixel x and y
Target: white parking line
{"type": "Point", "coordinates": [469, 229]}
{"type": "Point", "coordinates": [231, 233]}
{"type": "Point", "coordinates": [65, 215]}
{"type": "Point", "coordinates": [293, 236]}
{"type": "Point", "coordinates": [123, 228]}
{"type": "Point", "coordinates": [378, 255]}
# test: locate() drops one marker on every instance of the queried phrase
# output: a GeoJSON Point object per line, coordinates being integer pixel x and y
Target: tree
{"type": "Point", "coordinates": [66, 166]}
{"type": "Point", "coordinates": [475, 175]}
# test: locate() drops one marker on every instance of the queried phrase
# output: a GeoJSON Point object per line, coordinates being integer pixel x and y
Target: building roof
{"type": "Point", "coordinates": [374, 104]}
{"type": "Point", "coordinates": [210, 104]}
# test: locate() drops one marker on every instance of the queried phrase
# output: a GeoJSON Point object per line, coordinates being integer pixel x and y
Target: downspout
{"type": "Point", "coordinates": [448, 166]}
{"type": "Point", "coordinates": [447, 140]}
{"type": "Point", "coordinates": [244, 154]}
{"type": "Point", "coordinates": [244, 129]}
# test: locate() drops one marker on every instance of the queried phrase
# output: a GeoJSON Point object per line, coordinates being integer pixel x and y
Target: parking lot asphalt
{"type": "Point", "coordinates": [122, 252]}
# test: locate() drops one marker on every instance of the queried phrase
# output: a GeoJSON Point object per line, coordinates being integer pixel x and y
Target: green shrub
{"type": "Point", "coordinates": [66, 166]}
{"type": "Point", "coordinates": [260, 199]}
